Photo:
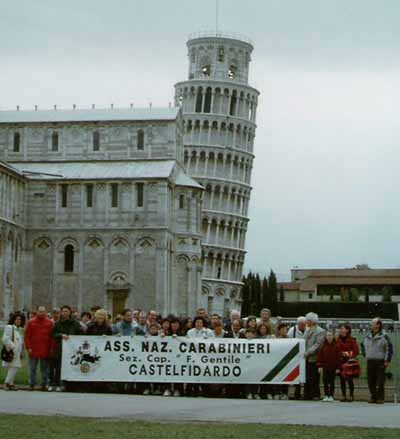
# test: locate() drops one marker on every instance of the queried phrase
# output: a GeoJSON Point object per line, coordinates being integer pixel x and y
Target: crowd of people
{"type": "Point", "coordinates": [327, 353]}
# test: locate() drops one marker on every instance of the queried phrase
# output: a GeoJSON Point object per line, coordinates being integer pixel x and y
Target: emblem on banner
{"type": "Point", "coordinates": [86, 358]}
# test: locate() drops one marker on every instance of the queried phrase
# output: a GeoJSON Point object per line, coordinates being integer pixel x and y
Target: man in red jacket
{"type": "Point", "coordinates": [38, 342]}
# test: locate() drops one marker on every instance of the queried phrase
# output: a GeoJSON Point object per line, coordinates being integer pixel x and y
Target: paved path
{"type": "Point", "coordinates": [153, 408]}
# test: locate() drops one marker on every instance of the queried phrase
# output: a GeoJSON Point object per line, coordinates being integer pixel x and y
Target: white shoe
{"type": "Point", "coordinates": [177, 393]}
{"type": "Point", "coordinates": [249, 396]}
{"type": "Point", "coordinates": [59, 389]}
{"type": "Point", "coordinates": [331, 399]}
{"type": "Point", "coordinates": [50, 388]}
{"type": "Point", "coordinates": [146, 392]}
{"type": "Point", "coordinates": [257, 397]}
{"type": "Point", "coordinates": [283, 397]}
{"type": "Point", "coordinates": [326, 399]}
{"type": "Point", "coordinates": [167, 393]}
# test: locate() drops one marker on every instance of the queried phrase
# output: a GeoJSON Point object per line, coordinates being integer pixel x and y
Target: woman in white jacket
{"type": "Point", "coordinates": [13, 340]}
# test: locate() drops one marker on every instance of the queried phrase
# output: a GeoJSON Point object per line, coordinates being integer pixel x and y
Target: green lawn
{"type": "Point", "coordinates": [60, 427]}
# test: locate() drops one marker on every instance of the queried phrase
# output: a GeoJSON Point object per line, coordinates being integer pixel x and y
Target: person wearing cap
{"type": "Point", "coordinates": [314, 337]}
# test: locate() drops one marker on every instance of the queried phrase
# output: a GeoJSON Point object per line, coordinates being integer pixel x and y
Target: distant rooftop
{"type": "Point", "coordinates": [88, 115]}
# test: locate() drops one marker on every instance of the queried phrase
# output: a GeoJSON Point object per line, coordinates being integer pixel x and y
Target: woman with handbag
{"type": "Point", "coordinates": [349, 365]}
{"type": "Point", "coordinates": [13, 347]}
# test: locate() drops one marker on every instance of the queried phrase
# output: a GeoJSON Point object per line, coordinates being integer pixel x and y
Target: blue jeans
{"type": "Point", "coordinates": [33, 364]}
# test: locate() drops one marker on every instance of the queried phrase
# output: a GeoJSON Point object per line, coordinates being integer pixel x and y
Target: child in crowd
{"type": "Point", "coordinates": [328, 363]}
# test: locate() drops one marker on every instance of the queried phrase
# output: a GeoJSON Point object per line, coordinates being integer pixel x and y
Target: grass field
{"type": "Point", "coordinates": [59, 427]}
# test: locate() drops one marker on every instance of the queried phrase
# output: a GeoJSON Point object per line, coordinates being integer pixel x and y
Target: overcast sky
{"type": "Point", "coordinates": [326, 175]}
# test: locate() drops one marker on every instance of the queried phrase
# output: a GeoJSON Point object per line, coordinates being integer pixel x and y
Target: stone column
{"type": "Point", "coordinates": [214, 261]}
{"type": "Point", "coordinates": [212, 100]}
{"type": "Point", "coordinates": [208, 230]}
{"type": "Point", "coordinates": [212, 198]}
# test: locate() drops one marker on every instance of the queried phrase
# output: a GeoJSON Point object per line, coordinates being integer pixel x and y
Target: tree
{"type": "Point", "coordinates": [265, 298]}
{"type": "Point", "coordinates": [256, 290]}
{"type": "Point", "coordinates": [366, 296]}
{"type": "Point", "coordinates": [387, 294]}
{"type": "Point", "coordinates": [273, 290]}
{"type": "Point", "coordinates": [281, 294]}
{"type": "Point", "coordinates": [354, 295]}
{"type": "Point", "coordinates": [245, 296]}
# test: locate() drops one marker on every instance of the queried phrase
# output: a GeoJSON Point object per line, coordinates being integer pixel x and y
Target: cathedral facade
{"type": "Point", "coordinates": [143, 208]}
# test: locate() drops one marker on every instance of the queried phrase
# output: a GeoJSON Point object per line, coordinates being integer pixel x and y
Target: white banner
{"type": "Point", "coordinates": [185, 360]}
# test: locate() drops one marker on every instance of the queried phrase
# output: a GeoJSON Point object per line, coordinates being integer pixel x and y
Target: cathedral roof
{"type": "Point", "coordinates": [97, 170]}
{"type": "Point", "coordinates": [106, 170]}
{"type": "Point", "coordinates": [92, 115]}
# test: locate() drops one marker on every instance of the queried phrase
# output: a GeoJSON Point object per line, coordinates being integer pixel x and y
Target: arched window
{"type": "Point", "coordinates": [17, 142]}
{"type": "Point", "coordinates": [232, 110]}
{"type": "Point", "coordinates": [140, 140]}
{"type": "Point", "coordinates": [96, 141]}
{"type": "Point", "coordinates": [69, 258]}
{"type": "Point", "coordinates": [221, 54]}
{"type": "Point", "coordinates": [207, 100]}
{"type": "Point", "coordinates": [181, 201]}
{"type": "Point", "coordinates": [199, 100]}
{"type": "Point", "coordinates": [54, 141]}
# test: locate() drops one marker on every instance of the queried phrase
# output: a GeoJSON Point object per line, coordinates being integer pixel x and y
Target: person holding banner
{"type": "Point", "coordinates": [100, 325]}
{"type": "Point", "coordinates": [142, 328]}
{"type": "Point", "coordinates": [298, 331]}
{"type": "Point", "coordinates": [175, 327]}
{"type": "Point", "coordinates": [65, 327]}
{"type": "Point", "coordinates": [126, 326]}
{"type": "Point", "coordinates": [235, 331]}
{"type": "Point", "coordinates": [219, 331]}
{"type": "Point", "coordinates": [200, 330]}
{"type": "Point", "coordinates": [251, 390]}
{"type": "Point", "coordinates": [314, 338]}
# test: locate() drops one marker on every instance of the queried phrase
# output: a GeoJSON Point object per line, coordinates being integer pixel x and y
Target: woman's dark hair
{"type": "Point", "coordinates": [282, 325]}
{"type": "Point", "coordinates": [200, 318]}
{"type": "Point", "coordinates": [14, 317]}
{"type": "Point", "coordinates": [347, 326]}
{"type": "Point", "coordinates": [86, 313]}
{"type": "Point", "coordinates": [175, 320]}
{"type": "Point", "coordinates": [67, 307]}
{"type": "Point", "coordinates": [186, 321]}
{"type": "Point", "coordinates": [165, 320]}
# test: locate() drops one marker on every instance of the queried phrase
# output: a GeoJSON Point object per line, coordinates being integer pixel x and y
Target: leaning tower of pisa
{"type": "Point", "coordinates": [219, 109]}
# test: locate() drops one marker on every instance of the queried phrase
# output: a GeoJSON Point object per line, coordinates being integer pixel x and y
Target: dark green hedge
{"type": "Point", "coordinates": [345, 310]}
